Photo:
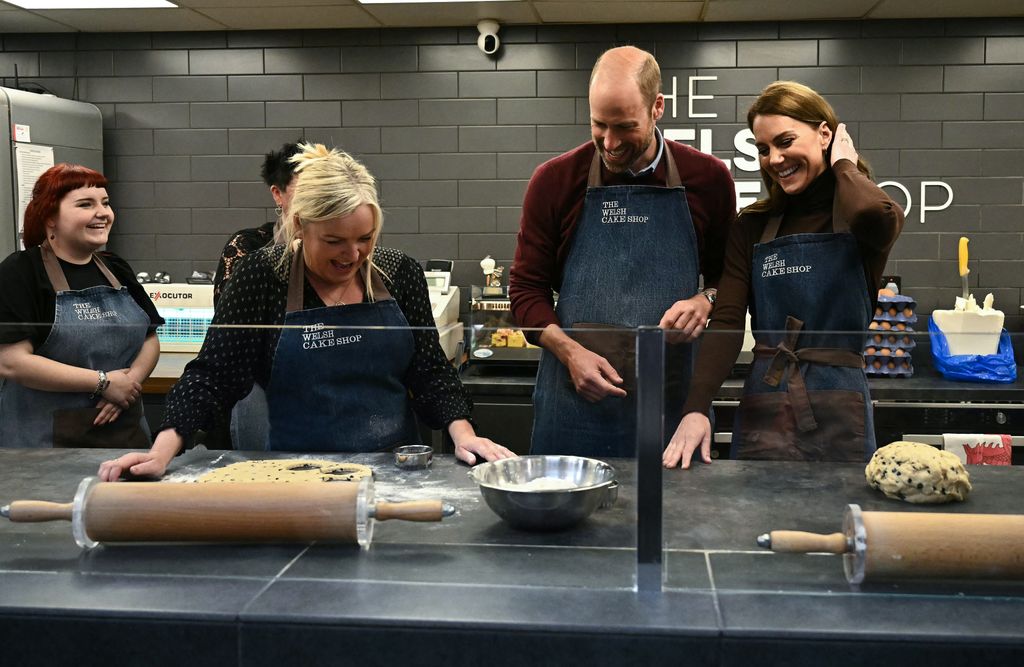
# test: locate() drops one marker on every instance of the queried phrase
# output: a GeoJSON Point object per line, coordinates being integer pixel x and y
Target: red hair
{"type": "Point", "coordinates": [48, 192]}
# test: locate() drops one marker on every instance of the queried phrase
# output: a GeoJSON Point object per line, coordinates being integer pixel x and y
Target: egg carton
{"type": "Point", "coordinates": [898, 326]}
{"type": "Point", "coordinates": [894, 314]}
{"type": "Point", "coordinates": [889, 366]}
{"type": "Point", "coordinates": [893, 340]}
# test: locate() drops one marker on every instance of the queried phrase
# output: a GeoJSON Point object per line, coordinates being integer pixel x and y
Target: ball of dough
{"type": "Point", "coordinates": [918, 473]}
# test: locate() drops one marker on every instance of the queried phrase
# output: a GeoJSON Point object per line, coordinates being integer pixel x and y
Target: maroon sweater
{"type": "Point", "coordinates": [552, 206]}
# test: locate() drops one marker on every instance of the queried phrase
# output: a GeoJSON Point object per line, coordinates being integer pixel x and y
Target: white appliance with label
{"type": "Point", "coordinates": [187, 311]}
{"type": "Point", "coordinates": [444, 305]}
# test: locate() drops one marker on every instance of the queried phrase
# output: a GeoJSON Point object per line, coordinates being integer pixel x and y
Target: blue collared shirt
{"type": "Point", "coordinates": [649, 169]}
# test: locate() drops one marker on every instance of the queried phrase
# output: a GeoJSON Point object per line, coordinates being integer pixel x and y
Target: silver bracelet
{"type": "Point", "coordinates": [101, 385]}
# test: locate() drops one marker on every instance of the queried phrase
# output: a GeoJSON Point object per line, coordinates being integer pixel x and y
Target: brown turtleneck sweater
{"type": "Point", "coordinates": [875, 220]}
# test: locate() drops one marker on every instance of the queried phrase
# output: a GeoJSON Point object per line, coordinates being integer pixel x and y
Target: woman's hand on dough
{"type": "Point", "coordinates": [693, 431]}
{"type": "Point", "coordinates": [144, 464]}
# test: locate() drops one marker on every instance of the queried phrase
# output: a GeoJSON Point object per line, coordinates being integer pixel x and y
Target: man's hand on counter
{"type": "Point", "coordinates": [694, 431]}
{"type": "Point", "coordinates": [144, 464]}
{"type": "Point", "coordinates": [469, 445]}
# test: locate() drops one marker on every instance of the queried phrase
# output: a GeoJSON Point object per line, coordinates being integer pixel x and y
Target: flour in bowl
{"type": "Point", "coordinates": [541, 484]}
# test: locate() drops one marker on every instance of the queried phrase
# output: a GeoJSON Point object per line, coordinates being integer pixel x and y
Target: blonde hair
{"type": "Point", "coordinates": [329, 184]}
{"type": "Point", "coordinates": [797, 101]}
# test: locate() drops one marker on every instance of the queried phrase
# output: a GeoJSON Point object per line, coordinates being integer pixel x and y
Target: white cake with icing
{"type": "Point", "coordinates": [970, 329]}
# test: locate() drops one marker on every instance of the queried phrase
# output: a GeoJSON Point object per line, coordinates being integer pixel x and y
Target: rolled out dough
{"type": "Point", "coordinates": [287, 471]}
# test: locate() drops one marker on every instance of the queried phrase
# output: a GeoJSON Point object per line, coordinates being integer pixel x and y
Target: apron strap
{"type": "Point", "coordinates": [55, 273]}
{"type": "Point", "coordinates": [114, 282]}
{"type": "Point", "coordinates": [672, 179]}
{"type": "Point", "coordinates": [771, 230]}
{"type": "Point", "coordinates": [297, 275]}
{"type": "Point", "coordinates": [295, 279]}
{"type": "Point", "coordinates": [786, 359]}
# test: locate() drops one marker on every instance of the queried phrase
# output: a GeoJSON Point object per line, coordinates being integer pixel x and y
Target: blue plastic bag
{"type": "Point", "coordinates": [998, 367]}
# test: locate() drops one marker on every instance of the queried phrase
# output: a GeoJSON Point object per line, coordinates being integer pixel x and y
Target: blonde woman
{"type": "Point", "coordinates": [346, 371]}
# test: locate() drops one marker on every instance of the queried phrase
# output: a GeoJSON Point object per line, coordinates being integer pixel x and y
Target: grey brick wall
{"type": "Point", "coordinates": [453, 135]}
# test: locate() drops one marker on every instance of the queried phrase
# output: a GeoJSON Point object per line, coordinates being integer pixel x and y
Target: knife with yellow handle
{"type": "Point", "coordinates": [963, 266]}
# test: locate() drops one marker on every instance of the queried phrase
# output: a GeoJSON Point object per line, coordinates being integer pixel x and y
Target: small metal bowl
{"type": "Point", "coordinates": [414, 457]}
{"type": "Point", "coordinates": [544, 509]}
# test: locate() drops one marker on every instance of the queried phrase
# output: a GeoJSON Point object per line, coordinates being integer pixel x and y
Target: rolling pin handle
{"type": "Point", "coordinates": [417, 510]}
{"type": "Point", "coordinates": [32, 511]}
{"type": "Point", "coordinates": [795, 541]}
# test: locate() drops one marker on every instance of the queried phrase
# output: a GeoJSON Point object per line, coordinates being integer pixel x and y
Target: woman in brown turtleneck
{"type": "Point", "coordinates": [807, 261]}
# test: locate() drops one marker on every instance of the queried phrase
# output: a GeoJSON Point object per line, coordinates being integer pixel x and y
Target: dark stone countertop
{"type": "Point", "coordinates": [472, 589]}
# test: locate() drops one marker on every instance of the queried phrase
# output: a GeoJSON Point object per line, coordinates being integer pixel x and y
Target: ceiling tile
{"type": "Point", "coordinates": [462, 13]}
{"type": "Point", "coordinates": [912, 9]}
{"type": "Point", "coordinates": [18, 20]}
{"type": "Point", "coordinates": [287, 18]}
{"type": "Point", "coordinates": [132, 20]}
{"type": "Point", "coordinates": [786, 10]}
{"type": "Point", "coordinates": [618, 12]}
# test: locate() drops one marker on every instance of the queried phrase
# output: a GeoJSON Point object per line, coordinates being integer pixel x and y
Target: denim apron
{"type": "Point", "coordinates": [337, 380]}
{"type": "Point", "coordinates": [806, 398]}
{"type": "Point", "coordinates": [634, 254]}
{"type": "Point", "coordinates": [101, 328]}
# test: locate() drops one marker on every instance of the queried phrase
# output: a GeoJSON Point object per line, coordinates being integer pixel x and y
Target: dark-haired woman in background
{"type": "Point", "coordinates": [278, 173]}
{"type": "Point", "coordinates": [807, 260]}
{"type": "Point", "coordinates": [77, 331]}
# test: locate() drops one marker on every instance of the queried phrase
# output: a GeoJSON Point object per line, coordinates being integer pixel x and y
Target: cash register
{"type": "Point", "coordinates": [444, 305]}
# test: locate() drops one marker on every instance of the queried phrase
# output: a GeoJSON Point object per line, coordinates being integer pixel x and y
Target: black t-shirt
{"type": "Point", "coordinates": [28, 300]}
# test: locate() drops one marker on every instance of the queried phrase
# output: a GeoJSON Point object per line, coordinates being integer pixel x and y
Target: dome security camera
{"type": "Point", "coordinates": [488, 41]}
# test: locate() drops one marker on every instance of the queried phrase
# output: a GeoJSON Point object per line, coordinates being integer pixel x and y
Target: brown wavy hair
{"type": "Point", "coordinates": [797, 101]}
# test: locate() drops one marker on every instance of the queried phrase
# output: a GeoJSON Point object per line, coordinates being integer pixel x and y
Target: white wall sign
{"type": "Point", "coordinates": [30, 162]}
{"type": "Point", "coordinates": [746, 159]}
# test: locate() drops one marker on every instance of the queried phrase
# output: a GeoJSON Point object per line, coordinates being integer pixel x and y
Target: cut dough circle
{"type": "Point", "coordinates": [918, 473]}
{"type": "Point", "coordinates": [288, 471]}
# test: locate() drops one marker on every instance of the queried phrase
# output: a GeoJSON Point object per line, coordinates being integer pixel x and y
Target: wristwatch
{"type": "Point", "coordinates": [711, 294]}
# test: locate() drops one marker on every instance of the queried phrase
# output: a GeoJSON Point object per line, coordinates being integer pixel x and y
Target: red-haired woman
{"type": "Point", "coordinates": [77, 331]}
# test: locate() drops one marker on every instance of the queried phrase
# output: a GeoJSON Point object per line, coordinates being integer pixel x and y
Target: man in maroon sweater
{"type": "Point", "coordinates": [621, 227]}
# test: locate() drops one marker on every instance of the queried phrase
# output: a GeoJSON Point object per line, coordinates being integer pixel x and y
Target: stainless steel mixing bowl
{"type": "Point", "coordinates": [541, 509]}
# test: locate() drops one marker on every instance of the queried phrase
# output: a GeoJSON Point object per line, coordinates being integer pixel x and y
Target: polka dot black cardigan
{"type": "Point", "coordinates": [234, 357]}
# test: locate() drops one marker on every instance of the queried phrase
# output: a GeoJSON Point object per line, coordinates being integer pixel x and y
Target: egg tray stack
{"type": "Point", "coordinates": [887, 352]}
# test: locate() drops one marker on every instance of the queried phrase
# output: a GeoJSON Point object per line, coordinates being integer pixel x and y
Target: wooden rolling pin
{"type": "Point", "coordinates": [894, 545]}
{"type": "Point", "coordinates": [224, 512]}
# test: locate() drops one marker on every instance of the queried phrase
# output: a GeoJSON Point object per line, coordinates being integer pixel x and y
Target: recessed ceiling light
{"type": "Point", "coordinates": [90, 4]}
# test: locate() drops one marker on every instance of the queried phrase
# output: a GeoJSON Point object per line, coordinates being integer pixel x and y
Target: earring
{"type": "Point", "coordinates": [278, 211]}
{"type": "Point", "coordinates": [52, 236]}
